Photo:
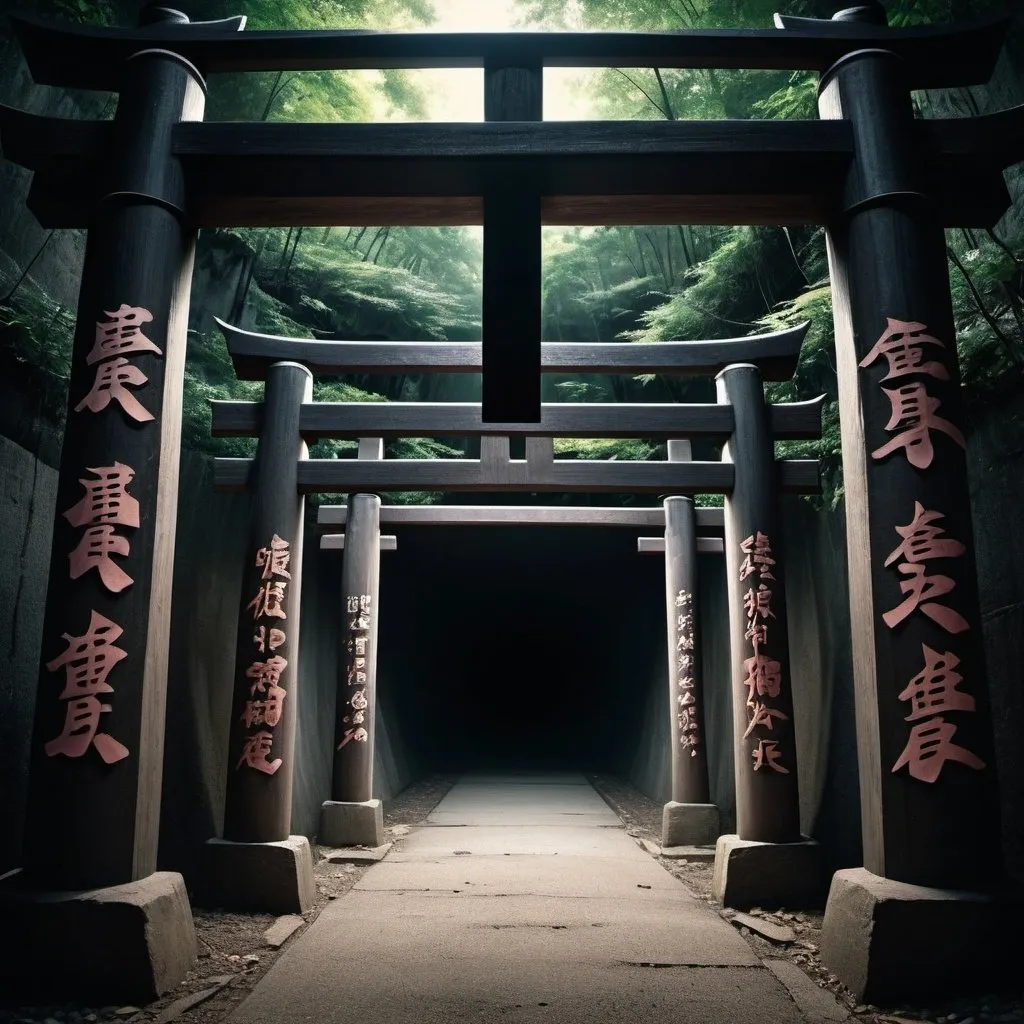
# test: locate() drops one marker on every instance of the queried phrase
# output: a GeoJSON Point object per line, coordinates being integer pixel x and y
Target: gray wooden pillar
{"type": "Point", "coordinates": [259, 865]}
{"type": "Point", "coordinates": [352, 817]}
{"type": "Point", "coordinates": [767, 791]}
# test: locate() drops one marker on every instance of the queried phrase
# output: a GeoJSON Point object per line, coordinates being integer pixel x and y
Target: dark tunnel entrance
{"type": "Point", "coordinates": [520, 648]}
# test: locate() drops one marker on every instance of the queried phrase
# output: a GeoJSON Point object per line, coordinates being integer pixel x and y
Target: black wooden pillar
{"type": "Point", "coordinates": [263, 716]}
{"type": "Point", "coordinates": [928, 789]}
{"type": "Point", "coordinates": [686, 692]}
{"type": "Point", "coordinates": [98, 740]}
{"type": "Point", "coordinates": [767, 797]}
{"type": "Point", "coordinates": [360, 585]}
{"type": "Point", "coordinates": [512, 257]}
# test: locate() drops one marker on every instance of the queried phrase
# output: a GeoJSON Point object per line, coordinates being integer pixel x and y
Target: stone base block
{"type": "Point", "coordinates": [771, 875]}
{"type": "Point", "coordinates": [345, 823]}
{"type": "Point", "coordinates": [274, 878]}
{"type": "Point", "coordinates": [890, 941]}
{"type": "Point", "coordinates": [126, 943]}
{"type": "Point", "coordinates": [689, 824]}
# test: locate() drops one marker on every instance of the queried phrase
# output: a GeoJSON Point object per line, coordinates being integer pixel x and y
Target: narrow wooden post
{"type": "Point", "coordinates": [258, 865]}
{"type": "Point", "coordinates": [767, 794]}
{"type": "Point", "coordinates": [352, 817]}
{"type": "Point", "coordinates": [689, 753]}
{"type": "Point", "coordinates": [929, 803]}
{"type": "Point", "coordinates": [258, 804]}
{"type": "Point", "coordinates": [512, 260]}
{"type": "Point", "coordinates": [98, 740]}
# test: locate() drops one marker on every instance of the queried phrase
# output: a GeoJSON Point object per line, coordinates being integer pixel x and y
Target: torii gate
{"type": "Point", "coordinates": [884, 184]}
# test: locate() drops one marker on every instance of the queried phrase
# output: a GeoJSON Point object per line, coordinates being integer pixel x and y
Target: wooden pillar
{"type": "Point", "coordinates": [929, 803]}
{"type": "Point", "coordinates": [360, 579]}
{"type": "Point", "coordinates": [767, 798]}
{"type": "Point", "coordinates": [261, 760]}
{"type": "Point", "coordinates": [98, 739]}
{"type": "Point", "coordinates": [512, 259]}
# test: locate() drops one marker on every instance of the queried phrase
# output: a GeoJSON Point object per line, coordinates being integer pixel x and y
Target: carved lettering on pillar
{"type": "Point", "coordinates": [933, 693]}
{"type": "Point", "coordinates": [914, 411]}
{"type": "Point", "coordinates": [764, 673]}
{"type": "Point", "coordinates": [265, 706]}
{"type": "Point", "coordinates": [87, 662]}
{"type": "Point", "coordinates": [358, 613]}
{"type": "Point", "coordinates": [106, 503]}
{"type": "Point", "coordinates": [687, 715]}
{"type": "Point", "coordinates": [89, 658]}
{"type": "Point", "coordinates": [118, 336]}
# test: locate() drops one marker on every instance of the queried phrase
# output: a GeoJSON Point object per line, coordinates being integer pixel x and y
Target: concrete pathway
{"type": "Point", "coordinates": [521, 899]}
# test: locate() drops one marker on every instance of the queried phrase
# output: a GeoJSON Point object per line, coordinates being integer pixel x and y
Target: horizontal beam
{"type": "Point", "coordinates": [522, 515]}
{"type": "Point", "coordinates": [348, 476]}
{"type": "Point", "coordinates": [610, 172]}
{"type": "Point", "coordinates": [656, 545]}
{"type": "Point", "coordinates": [87, 57]}
{"type": "Point", "coordinates": [775, 355]}
{"type": "Point", "coordinates": [336, 542]}
{"type": "Point", "coordinates": [317, 420]}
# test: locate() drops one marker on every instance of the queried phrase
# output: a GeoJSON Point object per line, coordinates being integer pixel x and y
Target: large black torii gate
{"type": "Point", "coordinates": [884, 184]}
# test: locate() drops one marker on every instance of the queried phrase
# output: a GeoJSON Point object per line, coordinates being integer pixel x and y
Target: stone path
{"type": "Point", "coordinates": [521, 899]}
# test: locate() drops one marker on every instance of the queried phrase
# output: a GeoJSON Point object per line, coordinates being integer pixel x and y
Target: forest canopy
{"type": "Point", "coordinates": [644, 284]}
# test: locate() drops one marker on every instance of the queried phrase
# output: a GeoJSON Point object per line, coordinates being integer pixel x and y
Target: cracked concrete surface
{"type": "Point", "coordinates": [537, 906]}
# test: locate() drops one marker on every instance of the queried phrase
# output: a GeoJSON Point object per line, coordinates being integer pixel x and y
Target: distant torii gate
{"type": "Point", "coordinates": [884, 184]}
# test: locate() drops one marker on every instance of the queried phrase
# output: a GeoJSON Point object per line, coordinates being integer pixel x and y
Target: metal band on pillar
{"type": "Point", "coordinates": [929, 802]}
{"type": "Point", "coordinates": [97, 749]}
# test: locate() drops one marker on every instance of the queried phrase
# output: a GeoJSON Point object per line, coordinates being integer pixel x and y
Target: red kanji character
{"type": "Point", "coordinates": [274, 639]}
{"type": "Point", "coordinates": [111, 377]}
{"type": "Point", "coordinates": [265, 673]}
{"type": "Point", "coordinates": [901, 344]}
{"type": "Point", "coordinates": [98, 543]}
{"type": "Point", "coordinates": [767, 755]}
{"type": "Point", "coordinates": [360, 735]}
{"type": "Point", "coordinates": [265, 712]}
{"type": "Point", "coordinates": [758, 602]}
{"type": "Point", "coordinates": [914, 408]}
{"type": "Point", "coordinates": [758, 550]}
{"type": "Point", "coordinates": [764, 676]}
{"type": "Point", "coordinates": [106, 498]}
{"type": "Point", "coordinates": [930, 746]}
{"type": "Point", "coordinates": [268, 600]}
{"type": "Point", "coordinates": [764, 715]}
{"type": "Point", "coordinates": [255, 751]}
{"type": "Point", "coordinates": [274, 559]}
{"type": "Point", "coordinates": [933, 690]}
{"type": "Point", "coordinates": [122, 334]}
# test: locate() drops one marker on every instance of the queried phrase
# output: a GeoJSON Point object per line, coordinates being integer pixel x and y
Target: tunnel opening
{"type": "Point", "coordinates": [520, 649]}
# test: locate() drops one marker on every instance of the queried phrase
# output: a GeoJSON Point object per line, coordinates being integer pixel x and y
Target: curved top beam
{"type": "Point", "coordinates": [774, 354]}
{"type": "Point", "coordinates": [88, 57]}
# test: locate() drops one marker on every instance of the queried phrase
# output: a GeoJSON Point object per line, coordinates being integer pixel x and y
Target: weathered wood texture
{"type": "Point", "coordinates": [757, 172]}
{"type": "Point", "coordinates": [656, 545]}
{"type": "Point", "coordinates": [88, 57]}
{"type": "Point", "coordinates": [97, 746]}
{"type": "Point", "coordinates": [569, 419]}
{"type": "Point", "coordinates": [258, 803]}
{"type": "Point", "coordinates": [921, 672]}
{"type": "Point", "coordinates": [685, 679]}
{"type": "Point", "coordinates": [774, 354]}
{"type": "Point", "coordinates": [767, 797]}
{"type": "Point", "coordinates": [347, 476]}
{"type": "Point", "coordinates": [357, 683]}
{"type": "Point", "coordinates": [708, 519]}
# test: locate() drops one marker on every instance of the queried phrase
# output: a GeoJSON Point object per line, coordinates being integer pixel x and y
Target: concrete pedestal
{"type": "Point", "coordinates": [276, 878]}
{"type": "Point", "coordinates": [345, 823]}
{"type": "Point", "coordinates": [890, 941]}
{"type": "Point", "coordinates": [689, 824]}
{"type": "Point", "coordinates": [123, 944]}
{"type": "Point", "coordinates": [772, 875]}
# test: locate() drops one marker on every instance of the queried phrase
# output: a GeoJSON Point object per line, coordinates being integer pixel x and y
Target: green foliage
{"type": "Point", "coordinates": [623, 449]}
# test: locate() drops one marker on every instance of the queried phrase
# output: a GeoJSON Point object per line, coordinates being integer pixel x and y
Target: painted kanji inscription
{"type": "Point", "coordinates": [687, 715]}
{"type": "Point", "coordinates": [357, 674]}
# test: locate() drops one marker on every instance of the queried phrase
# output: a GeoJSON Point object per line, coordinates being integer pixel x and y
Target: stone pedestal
{"type": "Point", "coordinates": [771, 875]}
{"type": "Point", "coordinates": [689, 824]}
{"type": "Point", "coordinates": [276, 878]}
{"type": "Point", "coordinates": [889, 940]}
{"type": "Point", "coordinates": [351, 823]}
{"type": "Point", "coordinates": [125, 943]}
